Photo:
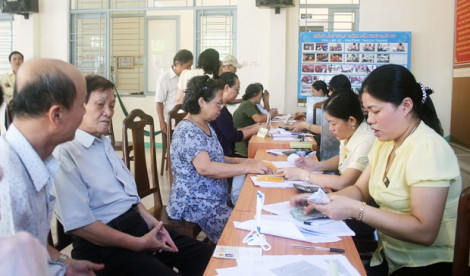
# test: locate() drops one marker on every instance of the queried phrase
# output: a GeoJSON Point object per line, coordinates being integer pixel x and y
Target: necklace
{"type": "Point", "coordinates": [390, 159]}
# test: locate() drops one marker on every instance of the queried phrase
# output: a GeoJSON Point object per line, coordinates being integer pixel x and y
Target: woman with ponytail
{"type": "Point", "coordinates": [413, 175]}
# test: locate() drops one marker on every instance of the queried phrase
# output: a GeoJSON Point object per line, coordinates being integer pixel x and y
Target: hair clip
{"type": "Point", "coordinates": [424, 90]}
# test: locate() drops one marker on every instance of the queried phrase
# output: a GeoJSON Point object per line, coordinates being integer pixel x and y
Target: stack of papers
{"type": "Point", "coordinates": [272, 265]}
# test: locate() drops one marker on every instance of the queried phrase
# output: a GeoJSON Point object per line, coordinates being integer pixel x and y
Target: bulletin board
{"type": "Point", "coordinates": [323, 55]}
{"type": "Point", "coordinates": [459, 130]}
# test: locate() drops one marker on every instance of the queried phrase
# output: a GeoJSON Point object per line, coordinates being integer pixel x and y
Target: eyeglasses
{"type": "Point", "coordinates": [219, 105]}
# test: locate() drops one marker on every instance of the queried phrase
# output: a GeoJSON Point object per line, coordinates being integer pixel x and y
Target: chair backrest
{"type": "Point", "coordinates": [329, 145]}
{"type": "Point", "coordinates": [136, 123]}
{"type": "Point", "coordinates": [462, 236]}
{"type": "Point", "coordinates": [174, 116]}
{"type": "Point", "coordinates": [317, 110]}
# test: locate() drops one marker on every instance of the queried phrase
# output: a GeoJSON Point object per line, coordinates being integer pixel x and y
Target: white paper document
{"type": "Point", "coordinates": [323, 227]}
{"type": "Point", "coordinates": [285, 184]}
{"type": "Point", "coordinates": [286, 228]}
{"type": "Point", "coordinates": [271, 265]}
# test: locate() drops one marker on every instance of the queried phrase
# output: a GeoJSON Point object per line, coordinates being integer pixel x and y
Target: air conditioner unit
{"type": "Point", "coordinates": [276, 4]}
{"type": "Point", "coordinates": [23, 7]}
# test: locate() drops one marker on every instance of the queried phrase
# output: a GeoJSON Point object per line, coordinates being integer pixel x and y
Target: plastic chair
{"type": "Point", "coordinates": [462, 236]}
{"type": "Point", "coordinates": [136, 122]}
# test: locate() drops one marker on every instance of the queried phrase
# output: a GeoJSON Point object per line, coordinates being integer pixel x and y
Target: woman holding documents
{"type": "Point", "coordinates": [199, 167]}
{"type": "Point", "coordinates": [413, 175]}
{"type": "Point", "coordinates": [344, 114]}
{"type": "Point", "coordinates": [248, 114]}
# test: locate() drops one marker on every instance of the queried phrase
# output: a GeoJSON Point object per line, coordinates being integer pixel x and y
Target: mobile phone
{"type": "Point", "coordinates": [307, 189]}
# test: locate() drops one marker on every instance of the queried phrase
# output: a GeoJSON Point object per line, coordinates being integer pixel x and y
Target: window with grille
{"type": "Point", "coordinates": [216, 29]}
{"type": "Point", "coordinates": [328, 16]}
{"type": "Point", "coordinates": [108, 37]}
{"type": "Point", "coordinates": [88, 41]}
{"type": "Point", "coordinates": [6, 41]}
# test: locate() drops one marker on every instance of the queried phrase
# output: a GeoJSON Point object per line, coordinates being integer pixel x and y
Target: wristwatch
{"type": "Point", "coordinates": [62, 259]}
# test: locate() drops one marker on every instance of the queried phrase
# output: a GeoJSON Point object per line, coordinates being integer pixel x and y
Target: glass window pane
{"type": "Point", "coordinates": [127, 46]}
{"type": "Point", "coordinates": [327, 2]}
{"type": "Point", "coordinates": [88, 41]}
{"type": "Point", "coordinates": [216, 2]}
{"type": "Point", "coordinates": [217, 32]}
{"type": "Point", "coordinates": [88, 4]}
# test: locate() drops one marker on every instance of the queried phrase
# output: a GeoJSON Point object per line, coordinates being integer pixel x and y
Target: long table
{"type": "Point", "coordinates": [244, 210]}
{"type": "Point", "coordinates": [255, 143]}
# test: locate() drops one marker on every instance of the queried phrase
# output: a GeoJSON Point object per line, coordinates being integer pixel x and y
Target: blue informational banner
{"type": "Point", "coordinates": [323, 55]}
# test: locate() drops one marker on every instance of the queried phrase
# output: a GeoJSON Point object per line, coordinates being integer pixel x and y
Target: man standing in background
{"type": "Point", "coordinates": [8, 83]}
{"type": "Point", "coordinates": [167, 88]}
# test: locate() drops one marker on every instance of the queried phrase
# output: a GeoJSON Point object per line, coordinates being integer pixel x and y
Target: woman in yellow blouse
{"type": "Point", "coordinates": [413, 175]}
{"type": "Point", "coordinates": [344, 114]}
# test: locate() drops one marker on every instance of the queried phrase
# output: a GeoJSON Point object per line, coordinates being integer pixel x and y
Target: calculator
{"type": "Point", "coordinates": [307, 189]}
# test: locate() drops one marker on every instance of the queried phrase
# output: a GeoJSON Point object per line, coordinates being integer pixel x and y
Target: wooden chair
{"type": "Point", "coordinates": [137, 122]}
{"type": "Point", "coordinates": [175, 116]}
{"type": "Point", "coordinates": [164, 154]}
{"type": "Point", "coordinates": [462, 236]}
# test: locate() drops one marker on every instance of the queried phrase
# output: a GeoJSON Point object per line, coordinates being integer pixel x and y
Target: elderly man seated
{"type": "Point", "coordinates": [97, 202]}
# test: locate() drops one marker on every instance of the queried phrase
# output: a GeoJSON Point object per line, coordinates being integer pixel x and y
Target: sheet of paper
{"type": "Point", "coordinates": [272, 265]}
{"type": "Point", "coordinates": [270, 225]}
{"type": "Point", "coordinates": [277, 152]}
{"type": "Point", "coordinates": [292, 138]}
{"type": "Point", "coordinates": [285, 184]}
{"type": "Point", "coordinates": [286, 230]}
{"type": "Point", "coordinates": [327, 227]}
{"type": "Point", "coordinates": [234, 252]}
{"type": "Point", "coordinates": [283, 164]}
{"type": "Point", "coordinates": [262, 132]}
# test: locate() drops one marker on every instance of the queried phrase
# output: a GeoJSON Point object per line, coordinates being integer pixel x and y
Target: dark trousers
{"type": "Point", "coordinates": [191, 259]}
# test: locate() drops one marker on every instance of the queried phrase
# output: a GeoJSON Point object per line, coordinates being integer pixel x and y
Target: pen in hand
{"type": "Point", "coordinates": [330, 249]}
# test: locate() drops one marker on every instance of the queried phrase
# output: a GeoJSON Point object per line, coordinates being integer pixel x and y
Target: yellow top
{"type": "Point", "coordinates": [424, 159]}
{"type": "Point", "coordinates": [353, 154]}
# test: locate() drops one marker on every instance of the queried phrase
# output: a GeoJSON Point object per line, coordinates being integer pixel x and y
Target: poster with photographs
{"type": "Point", "coordinates": [323, 55]}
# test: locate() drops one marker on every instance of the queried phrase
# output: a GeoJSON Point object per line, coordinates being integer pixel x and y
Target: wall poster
{"type": "Point", "coordinates": [323, 55]}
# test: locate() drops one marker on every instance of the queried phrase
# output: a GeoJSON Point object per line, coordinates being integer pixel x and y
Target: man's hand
{"type": "Point", "coordinates": [81, 267]}
{"type": "Point", "coordinates": [163, 127]}
{"type": "Point", "coordinates": [158, 239]}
